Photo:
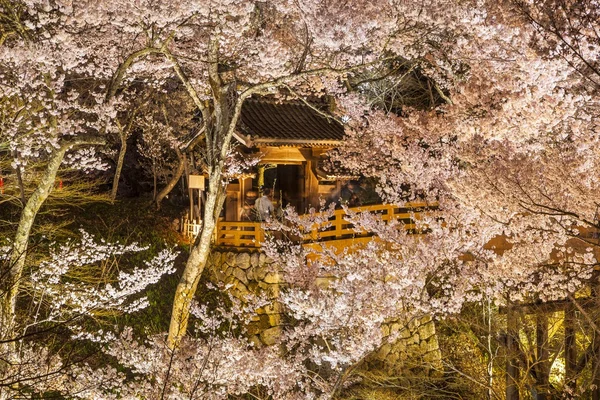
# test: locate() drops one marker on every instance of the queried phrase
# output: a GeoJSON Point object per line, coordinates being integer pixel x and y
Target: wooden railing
{"type": "Point", "coordinates": [251, 234]}
{"type": "Point", "coordinates": [338, 227]}
{"type": "Point", "coordinates": [192, 228]}
{"type": "Point", "coordinates": [239, 234]}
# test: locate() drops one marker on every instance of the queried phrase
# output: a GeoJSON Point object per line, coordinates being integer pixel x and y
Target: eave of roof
{"type": "Point", "coordinates": [287, 123]}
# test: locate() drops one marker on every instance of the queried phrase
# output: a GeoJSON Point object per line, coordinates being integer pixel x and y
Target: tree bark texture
{"type": "Point", "coordinates": [195, 264]}
{"type": "Point", "coordinates": [119, 168]}
{"type": "Point", "coordinates": [10, 286]}
{"type": "Point", "coordinates": [173, 181]}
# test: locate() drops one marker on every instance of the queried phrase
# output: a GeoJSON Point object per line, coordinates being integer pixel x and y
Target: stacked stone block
{"type": "Point", "coordinates": [412, 346]}
{"type": "Point", "coordinates": [252, 274]}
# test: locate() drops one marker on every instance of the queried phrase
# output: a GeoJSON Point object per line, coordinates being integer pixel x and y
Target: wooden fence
{"type": "Point", "coordinates": [192, 228]}
{"type": "Point", "coordinates": [239, 234]}
{"type": "Point", "coordinates": [337, 227]}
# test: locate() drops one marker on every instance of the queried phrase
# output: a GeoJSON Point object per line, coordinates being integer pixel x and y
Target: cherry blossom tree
{"type": "Point", "coordinates": [513, 154]}
{"type": "Point", "coordinates": [156, 139]}
{"type": "Point", "coordinates": [225, 52]}
{"type": "Point", "coordinates": [59, 102]}
{"type": "Point", "coordinates": [505, 154]}
{"type": "Point", "coordinates": [76, 284]}
{"type": "Point", "coordinates": [247, 49]}
{"type": "Point", "coordinates": [508, 165]}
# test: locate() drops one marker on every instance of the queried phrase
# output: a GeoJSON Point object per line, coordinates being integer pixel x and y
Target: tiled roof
{"type": "Point", "coordinates": [288, 123]}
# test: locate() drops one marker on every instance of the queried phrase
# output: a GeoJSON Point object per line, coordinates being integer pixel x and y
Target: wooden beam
{"type": "Point", "coordinates": [570, 348]}
{"type": "Point", "coordinates": [512, 368]}
{"type": "Point", "coordinates": [281, 155]}
{"type": "Point", "coordinates": [549, 306]}
{"type": "Point", "coordinates": [542, 364]}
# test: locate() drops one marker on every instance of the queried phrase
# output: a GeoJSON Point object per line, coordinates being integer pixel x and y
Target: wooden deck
{"type": "Point", "coordinates": [337, 227]}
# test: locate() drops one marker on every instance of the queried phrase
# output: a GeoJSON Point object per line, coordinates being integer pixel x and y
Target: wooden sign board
{"type": "Point", "coordinates": [196, 182]}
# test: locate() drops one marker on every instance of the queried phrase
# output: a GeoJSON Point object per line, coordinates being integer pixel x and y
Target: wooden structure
{"type": "Point", "coordinates": [251, 234]}
{"type": "Point", "coordinates": [192, 222]}
{"type": "Point", "coordinates": [290, 138]}
{"type": "Point", "coordinates": [532, 343]}
{"type": "Point", "coordinates": [191, 227]}
{"type": "Point", "coordinates": [539, 333]}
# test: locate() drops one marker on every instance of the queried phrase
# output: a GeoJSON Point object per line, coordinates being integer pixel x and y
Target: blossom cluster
{"type": "Point", "coordinates": [60, 282]}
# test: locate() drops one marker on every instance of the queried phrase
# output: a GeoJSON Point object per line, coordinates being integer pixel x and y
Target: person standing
{"type": "Point", "coordinates": [264, 205]}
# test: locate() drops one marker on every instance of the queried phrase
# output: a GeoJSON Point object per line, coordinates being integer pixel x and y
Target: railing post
{"type": "Point", "coordinates": [259, 235]}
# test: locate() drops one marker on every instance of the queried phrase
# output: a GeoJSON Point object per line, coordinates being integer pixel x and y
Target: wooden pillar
{"type": "Point", "coordinates": [232, 202]}
{"type": "Point", "coordinates": [302, 173]}
{"type": "Point", "coordinates": [189, 190]}
{"type": "Point", "coordinates": [570, 347]}
{"type": "Point", "coordinates": [312, 185]}
{"type": "Point", "coordinates": [542, 365]}
{"type": "Point", "coordinates": [261, 178]}
{"type": "Point", "coordinates": [512, 368]}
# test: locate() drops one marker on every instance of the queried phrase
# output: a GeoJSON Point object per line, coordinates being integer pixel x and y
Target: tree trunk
{"type": "Point", "coordinates": [10, 286]}
{"type": "Point", "coordinates": [21, 185]}
{"type": "Point", "coordinates": [222, 117]}
{"type": "Point", "coordinates": [171, 184]}
{"type": "Point", "coordinates": [180, 168]}
{"type": "Point", "coordinates": [121, 159]}
{"type": "Point", "coordinates": [195, 264]}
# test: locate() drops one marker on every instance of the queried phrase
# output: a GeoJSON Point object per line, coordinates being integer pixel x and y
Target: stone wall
{"type": "Point", "coordinates": [254, 273]}
{"type": "Point", "coordinates": [414, 346]}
